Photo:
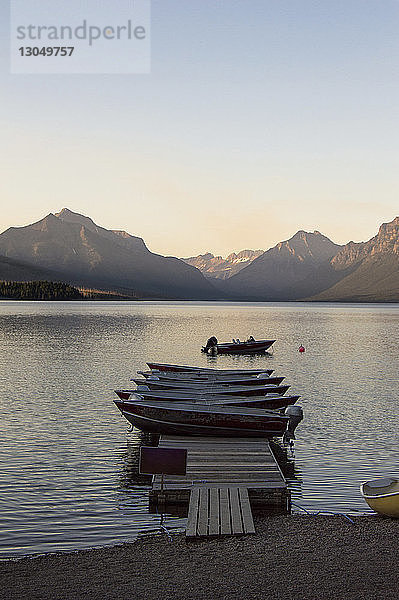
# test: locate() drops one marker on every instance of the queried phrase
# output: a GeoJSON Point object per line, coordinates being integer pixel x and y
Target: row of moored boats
{"type": "Point", "coordinates": [184, 400]}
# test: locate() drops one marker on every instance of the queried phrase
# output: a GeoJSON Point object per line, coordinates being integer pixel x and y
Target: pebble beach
{"type": "Point", "coordinates": [295, 556]}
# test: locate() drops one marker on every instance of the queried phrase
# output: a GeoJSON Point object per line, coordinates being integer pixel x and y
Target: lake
{"type": "Point", "coordinates": [68, 476]}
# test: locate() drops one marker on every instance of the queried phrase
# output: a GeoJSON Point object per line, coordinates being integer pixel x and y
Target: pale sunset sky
{"type": "Point", "coordinates": [259, 118]}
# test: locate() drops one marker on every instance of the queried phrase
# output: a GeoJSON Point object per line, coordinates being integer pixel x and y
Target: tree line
{"type": "Point", "coordinates": [38, 290]}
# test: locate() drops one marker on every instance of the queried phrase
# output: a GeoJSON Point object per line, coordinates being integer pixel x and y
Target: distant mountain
{"type": "Point", "coordinates": [367, 271]}
{"type": "Point", "coordinates": [72, 248]}
{"type": "Point", "coordinates": [222, 268]}
{"type": "Point", "coordinates": [288, 271]}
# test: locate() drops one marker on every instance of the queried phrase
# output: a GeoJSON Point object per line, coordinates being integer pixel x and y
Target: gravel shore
{"type": "Point", "coordinates": [290, 557]}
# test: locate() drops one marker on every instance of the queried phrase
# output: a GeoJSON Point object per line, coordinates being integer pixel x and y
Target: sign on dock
{"type": "Point", "coordinates": [163, 461]}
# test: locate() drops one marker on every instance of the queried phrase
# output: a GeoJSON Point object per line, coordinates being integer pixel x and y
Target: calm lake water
{"type": "Point", "coordinates": [68, 476]}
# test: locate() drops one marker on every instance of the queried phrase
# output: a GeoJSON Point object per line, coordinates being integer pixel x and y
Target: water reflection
{"type": "Point", "coordinates": [285, 456]}
{"type": "Point", "coordinates": [130, 475]}
{"type": "Point", "coordinates": [131, 479]}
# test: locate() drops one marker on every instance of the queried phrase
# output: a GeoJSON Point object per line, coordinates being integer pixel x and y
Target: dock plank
{"type": "Point", "coordinates": [214, 512]}
{"type": "Point", "coordinates": [191, 527]}
{"type": "Point", "coordinates": [236, 520]}
{"type": "Point", "coordinates": [188, 486]}
{"type": "Point", "coordinates": [203, 511]}
{"type": "Point", "coordinates": [246, 513]}
{"type": "Point", "coordinates": [225, 518]}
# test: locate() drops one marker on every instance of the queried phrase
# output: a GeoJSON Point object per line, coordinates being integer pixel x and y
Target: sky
{"type": "Point", "coordinates": [258, 118]}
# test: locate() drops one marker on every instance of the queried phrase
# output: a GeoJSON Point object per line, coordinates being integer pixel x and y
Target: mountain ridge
{"type": "Point", "coordinates": [82, 253]}
{"type": "Point", "coordinates": [70, 247]}
{"type": "Point", "coordinates": [371, 269]}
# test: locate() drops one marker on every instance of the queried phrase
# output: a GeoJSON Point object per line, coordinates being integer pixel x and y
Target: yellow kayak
{"type": "Point", "coordinates": [382, 495]}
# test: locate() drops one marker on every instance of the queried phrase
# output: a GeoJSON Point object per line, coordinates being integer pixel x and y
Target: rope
{"type": "Point", "coordinates": [162, 526]}
{"type": "Point", "coordinates": [319, 512]}
{"type": "Point", "coordinates": [167, 532]}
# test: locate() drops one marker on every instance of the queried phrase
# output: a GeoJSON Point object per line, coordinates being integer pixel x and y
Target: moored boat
{"type": "Point", "coordinates": [382, 495]}
{"type": "Point", "coordinates": [269, 401]}
{"type": "Point", "coordinates": [189, 369]}
{"type": "Point", "coordinates": [238, 390]}
{"type": "Point", "coordinates": [250, 346]}
{"type": "Point", "coordinates": [204, 376]}
{"type": "Point", "coordinates": [195, 419]}
{"type": "Point", "coordinates": [193, 381]}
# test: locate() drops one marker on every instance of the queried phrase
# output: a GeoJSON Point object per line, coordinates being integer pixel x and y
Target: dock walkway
{"type": "Point", "coordinates": [219, 511]}
{"type": "Point", "coordinates": [225, 478]}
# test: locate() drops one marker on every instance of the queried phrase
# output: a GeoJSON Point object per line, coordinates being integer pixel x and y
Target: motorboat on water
{"type": "Point", "coordinates": [382, 495]}
{"type": "Point", "coordinates": [184, 418]}
{"type": "Point", "coordinates": [268, 402]}
{"type": "Point", "coordinates": [249, 346]}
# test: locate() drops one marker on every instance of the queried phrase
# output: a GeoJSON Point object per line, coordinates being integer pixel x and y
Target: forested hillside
{"type": "Point", "coordinates": [38, 290]}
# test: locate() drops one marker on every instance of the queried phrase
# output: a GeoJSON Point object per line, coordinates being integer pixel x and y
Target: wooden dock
{"type": "Point", "coordinates": [225, 479]}
{"type": "Point", "coordinates": [219, 511]}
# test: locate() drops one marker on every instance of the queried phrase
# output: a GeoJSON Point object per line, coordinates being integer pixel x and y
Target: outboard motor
{"type": "Point", "coordinates": [262, 375]}
{"type": "Point", "coordinates": [153, 378]}
{"type": "Point", "coordinates": [295, 414]}
{"type": "Point", "coordinates": [143, 388]}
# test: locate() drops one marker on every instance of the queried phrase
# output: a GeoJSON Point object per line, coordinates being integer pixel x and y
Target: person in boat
{"type": "Point", "coordinates": [211, 343]}
{"type": "Point", "coordinates": [251, 338]}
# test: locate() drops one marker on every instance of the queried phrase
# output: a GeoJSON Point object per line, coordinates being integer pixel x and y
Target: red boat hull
{"type": "Point", "coordinates": [199, 421]}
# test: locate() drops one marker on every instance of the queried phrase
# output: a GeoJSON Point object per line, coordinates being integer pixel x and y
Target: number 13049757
{"type": "Point", "coordinates": [46, 51]}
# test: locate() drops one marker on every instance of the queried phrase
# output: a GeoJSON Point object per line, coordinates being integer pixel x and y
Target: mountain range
{"type": "Point", "coordinates": [70, 247]}
{"type": "Point", "coordinates": [222, 268]}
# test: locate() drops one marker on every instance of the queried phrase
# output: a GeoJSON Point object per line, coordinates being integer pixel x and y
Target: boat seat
{"type": "Point", "coordinates": [379, 487]}
{"type": "Point", "coordinates": [380, 483]}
